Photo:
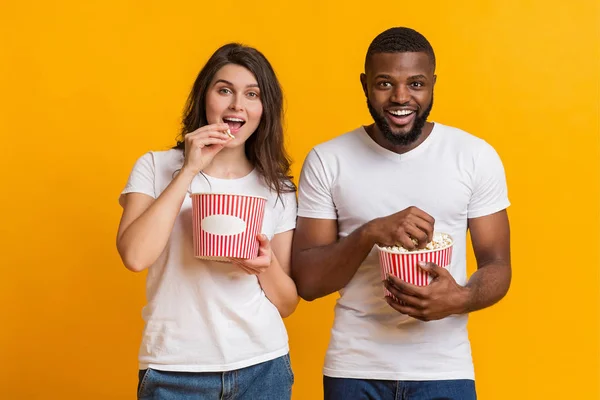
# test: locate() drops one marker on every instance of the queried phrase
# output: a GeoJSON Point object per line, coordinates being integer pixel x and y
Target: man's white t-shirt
{"type": "Point", "coordinates": [203, 315]}
{"type": "Point", "coordinates": [453, 176]}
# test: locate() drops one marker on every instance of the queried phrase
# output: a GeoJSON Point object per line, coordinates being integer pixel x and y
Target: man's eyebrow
{"type": "Point", "coordinates": [386, 76]}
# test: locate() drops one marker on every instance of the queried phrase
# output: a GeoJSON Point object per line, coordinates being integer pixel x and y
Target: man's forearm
{"type": "Point", "coordinates": [320, 271]}
{"type": "Point", "coordinates": [488, 285]}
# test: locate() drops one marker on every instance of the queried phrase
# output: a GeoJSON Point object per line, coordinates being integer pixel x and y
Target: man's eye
{"type": "Point", "coordinates": [417, 84]}
{"type": "Point", "coordinates": [385, 84]}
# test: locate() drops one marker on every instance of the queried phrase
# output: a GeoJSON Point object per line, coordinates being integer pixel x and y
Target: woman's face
{"type": "Point", "coordinates": [233, 97]}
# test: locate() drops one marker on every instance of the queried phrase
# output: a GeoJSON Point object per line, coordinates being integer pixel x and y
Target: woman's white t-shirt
{"type": "Point", "coordinates": [203, 315]}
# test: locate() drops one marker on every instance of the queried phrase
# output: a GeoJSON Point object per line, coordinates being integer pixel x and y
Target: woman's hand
{"type": "Point", "coordinates": [202, 145]}
{"type": "Point", "coordinates": [261, 263]}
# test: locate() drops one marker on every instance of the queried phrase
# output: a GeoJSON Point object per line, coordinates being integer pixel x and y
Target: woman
{"type": "Point", "coordinates": [214, 330]}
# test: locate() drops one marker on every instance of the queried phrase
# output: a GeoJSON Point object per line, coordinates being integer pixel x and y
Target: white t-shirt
{"type": "Point", "coordinates": [453, 176]}
{"type": "Point", "coordinates": [202, 315]}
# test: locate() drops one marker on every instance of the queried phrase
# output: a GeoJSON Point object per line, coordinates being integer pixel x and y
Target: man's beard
{"type": "Point", "coordinates": [402, 139]}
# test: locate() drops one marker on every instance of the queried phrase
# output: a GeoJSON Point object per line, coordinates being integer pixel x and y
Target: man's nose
{"type": "Point", "coordinates": [400, 95]}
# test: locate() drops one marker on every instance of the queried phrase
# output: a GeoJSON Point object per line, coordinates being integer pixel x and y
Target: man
{"type": "Point", "coordinates": [395, 181]}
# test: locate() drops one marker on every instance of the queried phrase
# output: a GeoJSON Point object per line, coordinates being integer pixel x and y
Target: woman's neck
{"type": "Point", "coordinates": [229, 164]}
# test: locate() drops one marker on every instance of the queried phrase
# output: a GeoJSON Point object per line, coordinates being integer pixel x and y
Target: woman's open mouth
{"type": "Point", "coordinates": [234, 123]}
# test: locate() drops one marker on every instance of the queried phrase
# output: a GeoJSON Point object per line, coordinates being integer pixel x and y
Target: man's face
{"type": "Point", "coordinates": [399, 90]}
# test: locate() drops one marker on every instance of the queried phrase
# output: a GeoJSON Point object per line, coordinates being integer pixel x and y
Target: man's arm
{"type": "Point", "coordinates": [490, 236]}
{"type": "Point", "coordinates": [321, 264]}
{"type": "Point", "coordinates": [490, 232]}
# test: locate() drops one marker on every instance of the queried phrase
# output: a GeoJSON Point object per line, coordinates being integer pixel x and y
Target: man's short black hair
{"type": "Point", "coordinates": [400, 40]}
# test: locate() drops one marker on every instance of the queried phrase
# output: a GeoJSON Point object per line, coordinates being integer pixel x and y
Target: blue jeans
{"type": "Point", "coordinates": [367, 389]}
{"type": "Point", "coordinates": [271, 380]}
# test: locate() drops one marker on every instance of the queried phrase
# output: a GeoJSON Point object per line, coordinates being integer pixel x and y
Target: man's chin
{"type": "Point", "coordinates": [401, 132]}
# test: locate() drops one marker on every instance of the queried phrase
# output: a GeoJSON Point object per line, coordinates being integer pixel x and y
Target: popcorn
{"type": "Point", "coordinates": [228, 132]}
{"type": "Point", "coordinates": [440, 241]}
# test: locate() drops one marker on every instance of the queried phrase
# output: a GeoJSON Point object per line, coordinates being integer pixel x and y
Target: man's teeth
{"type": "Point", "coordinates": [400, 113]}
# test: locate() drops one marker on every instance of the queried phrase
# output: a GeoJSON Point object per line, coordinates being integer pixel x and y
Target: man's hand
{"type": "Point", "coordinates": [441, 298]}
{"type": "Point", "coordinates": [402, 227]}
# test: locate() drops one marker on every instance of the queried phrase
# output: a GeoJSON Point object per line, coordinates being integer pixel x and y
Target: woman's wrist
{"type": "Point", "coordinates": [187, 174]}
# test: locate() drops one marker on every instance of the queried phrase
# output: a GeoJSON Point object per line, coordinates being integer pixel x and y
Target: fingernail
{"type": "Point", "coordinates": [422, 264]}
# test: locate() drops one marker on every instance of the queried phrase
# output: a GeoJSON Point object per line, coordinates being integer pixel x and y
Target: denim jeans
{"type": "Point", "coordinates": [271, 380]}
{"type": "Point", "coordinates": [367, 389]}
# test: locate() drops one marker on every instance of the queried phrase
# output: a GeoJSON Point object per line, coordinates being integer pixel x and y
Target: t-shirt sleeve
{"type": "Point", "coordinates": [314, 189]}
{"type": "Point", "coordinates": [287, 219]}
{"type": "Point", "coordinates": [141, 178]}
{"type": "Point", "coordinates": [490, 193]}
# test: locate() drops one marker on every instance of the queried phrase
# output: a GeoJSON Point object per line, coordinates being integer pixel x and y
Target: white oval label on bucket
{"type": "Point", "coordinates": [224, 225]}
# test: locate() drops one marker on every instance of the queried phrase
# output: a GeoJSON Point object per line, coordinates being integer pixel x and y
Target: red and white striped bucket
{"type": "Point", "coordinates": [225, 225]}
{"type": "Point", "coordinates": [405, 265]}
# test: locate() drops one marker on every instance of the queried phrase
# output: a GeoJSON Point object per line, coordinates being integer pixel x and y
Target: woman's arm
{"type": "Point", "coordinates": [146, 223]}
{"type": "Point", "coordinates": [272, 267]}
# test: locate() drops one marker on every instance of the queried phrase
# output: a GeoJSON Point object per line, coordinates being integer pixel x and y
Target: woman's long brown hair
{"type": "Point", "coordinates": [265, 148]}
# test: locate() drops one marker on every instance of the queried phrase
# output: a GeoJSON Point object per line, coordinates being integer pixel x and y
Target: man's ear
{"type": "Point", "coordinates": [363, 82]}
{"type": "Point", "coordinates": [434, 79]}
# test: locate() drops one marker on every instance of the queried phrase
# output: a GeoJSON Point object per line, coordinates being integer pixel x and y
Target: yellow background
{"type": "Point", "coordinates": [87, 87]}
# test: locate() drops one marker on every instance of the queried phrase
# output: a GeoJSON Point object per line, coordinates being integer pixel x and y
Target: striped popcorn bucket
{"type": "Point", "coordinates": [225, 225]}
{"type": "Point", "coordinates": [405, 265]}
